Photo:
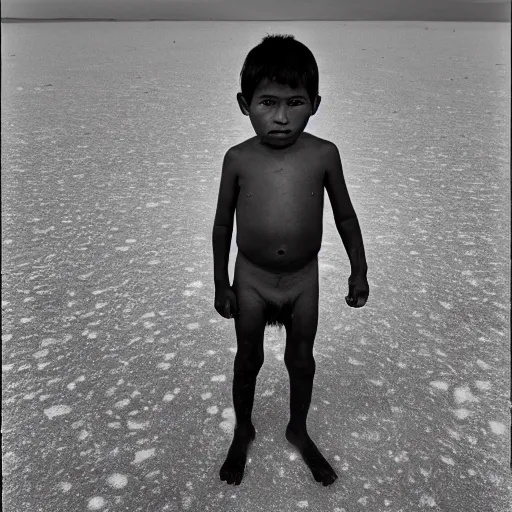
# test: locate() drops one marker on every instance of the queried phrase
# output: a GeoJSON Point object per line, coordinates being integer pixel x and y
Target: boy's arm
{"type": "Point", "coordinates": [223, 224]}
{"type": "Point", "coordinates": [344, 213]}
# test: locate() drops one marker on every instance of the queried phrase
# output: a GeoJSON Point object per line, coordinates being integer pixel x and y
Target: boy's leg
{"type": "Point", "coordinates": [299, 360]}
{"type": "Point", "coordinates": [300, 363]}
{"type": "Point", "coordinates": [250, 329]}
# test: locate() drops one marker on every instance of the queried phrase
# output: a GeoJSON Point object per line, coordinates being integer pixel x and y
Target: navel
{"type": "Point", "coordinates": [280, 252]}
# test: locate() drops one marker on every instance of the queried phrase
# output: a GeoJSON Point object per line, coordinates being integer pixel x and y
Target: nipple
{"type": "Point", "coordinates": [312, 193]}
{"type": "Point", "coordinates": [249, 194]}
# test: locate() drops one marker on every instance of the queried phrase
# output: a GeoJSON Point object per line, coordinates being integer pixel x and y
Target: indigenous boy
{"type": "Point", "coordinates": [275, 182]}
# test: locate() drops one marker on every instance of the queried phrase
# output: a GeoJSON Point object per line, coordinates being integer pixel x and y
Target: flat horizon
{"type": "Point", "coordinates": [33, 20]}
{"type": "Point", "coordinates": [263, 10]}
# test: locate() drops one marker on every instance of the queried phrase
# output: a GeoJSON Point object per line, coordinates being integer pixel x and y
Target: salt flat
{"type": "Point", "coordinates": [117, 369]}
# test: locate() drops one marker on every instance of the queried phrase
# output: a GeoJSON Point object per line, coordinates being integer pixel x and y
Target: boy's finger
{"type": "Point", "coordinates": [234, 307]}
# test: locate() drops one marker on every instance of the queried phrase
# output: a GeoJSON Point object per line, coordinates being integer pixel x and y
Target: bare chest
{"type": "Point", "coordinates": [297, 183]}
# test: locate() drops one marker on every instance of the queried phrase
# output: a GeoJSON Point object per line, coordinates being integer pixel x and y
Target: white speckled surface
{"type": "Point", "coordinates": [117, 369]}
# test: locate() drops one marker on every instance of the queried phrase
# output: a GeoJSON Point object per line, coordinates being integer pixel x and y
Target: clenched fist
{"type": "Point", "coordinates": [225, 302]}
{"type": "Point", "coordinates": [358, 291]}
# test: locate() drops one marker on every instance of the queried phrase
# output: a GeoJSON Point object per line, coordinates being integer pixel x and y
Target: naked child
{"type": "Point", "coordinates": [275, 183]}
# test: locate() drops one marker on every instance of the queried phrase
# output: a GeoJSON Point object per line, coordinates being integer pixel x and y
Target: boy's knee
{"type": "Point", "coordinates": [248, 363]}
{"type": "Point", "coordinates": [300, 365]}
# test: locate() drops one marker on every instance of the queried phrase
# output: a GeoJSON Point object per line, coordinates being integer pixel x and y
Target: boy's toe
{"type": "Point", "coordinates": [233, 476]}
{"type": "Point", "coordinates": [330, 479]}
{"type": "Point", "coordinates": [327, 479]}
{"type": "Point", "coordinates": [326, 476]}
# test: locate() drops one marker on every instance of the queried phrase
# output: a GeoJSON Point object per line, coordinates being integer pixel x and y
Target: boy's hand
{"type": "Point", "coordinates": [225, 302]}
{"type": "Point", "coordinates": [358, 291]}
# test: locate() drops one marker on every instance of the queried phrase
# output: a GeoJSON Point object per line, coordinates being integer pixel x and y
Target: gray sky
{"type": "Point", "coordinates": [471, 10]}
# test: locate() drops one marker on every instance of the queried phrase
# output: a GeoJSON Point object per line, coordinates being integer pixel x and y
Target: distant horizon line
{"type": "Point", "coordinates": [37, 20]}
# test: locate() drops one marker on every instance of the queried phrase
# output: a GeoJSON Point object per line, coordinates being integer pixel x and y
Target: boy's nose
{"type": "Point", "coordinates": [281, 115]}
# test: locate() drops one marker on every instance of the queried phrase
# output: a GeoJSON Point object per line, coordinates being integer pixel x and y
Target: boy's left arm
{"type": "Point", "coordinates": [348, 227]}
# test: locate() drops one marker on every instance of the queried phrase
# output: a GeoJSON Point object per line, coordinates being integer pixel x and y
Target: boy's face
{"type": "Point", "coordinates": [278, 113]}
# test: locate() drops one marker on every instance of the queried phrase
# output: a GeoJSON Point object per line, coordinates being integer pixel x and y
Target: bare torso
{"type": "Point", "coordinates": [280, 203]}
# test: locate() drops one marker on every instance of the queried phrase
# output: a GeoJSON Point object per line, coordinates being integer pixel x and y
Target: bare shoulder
{"type": "Point", "coordinates": [243, 148]}
{"type": "Point", "coordinates": [234, 156]}
{"type": "Point", "coordinates": [319, 145]}
{"type": "Point", "coordinates": [324, 149]}
{"type": "Point", "coordinates": [238, 157]}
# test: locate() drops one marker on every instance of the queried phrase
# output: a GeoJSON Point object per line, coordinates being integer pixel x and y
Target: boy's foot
{"type": "Point", "coordinates": [232, 471]}
{"type": "Point", "coordinates": [321, 469]}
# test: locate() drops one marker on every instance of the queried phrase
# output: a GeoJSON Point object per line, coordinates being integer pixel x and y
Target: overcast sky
{"type": "Point", "coordinates": [474, 10]}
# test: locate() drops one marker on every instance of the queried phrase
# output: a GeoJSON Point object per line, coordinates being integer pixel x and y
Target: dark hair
{"type": "Point", "coordinates": [282, 59]}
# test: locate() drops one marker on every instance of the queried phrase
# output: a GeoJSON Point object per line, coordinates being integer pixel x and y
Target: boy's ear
{"type": "Point", "coordinates": [316, 104]}
{"type": "Point", "coordinates": [244, 107]}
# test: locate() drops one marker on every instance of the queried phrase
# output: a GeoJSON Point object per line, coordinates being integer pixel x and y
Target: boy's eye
{"type": "Point", "coordinates": [293, 103]}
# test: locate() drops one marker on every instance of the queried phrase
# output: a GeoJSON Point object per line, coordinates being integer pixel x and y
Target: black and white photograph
{"type": "Point", "coordinates": [256, 255]}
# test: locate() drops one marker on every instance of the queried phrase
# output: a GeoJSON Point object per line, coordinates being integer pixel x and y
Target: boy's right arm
{"type": "Point", "coordinates": [223, 224]}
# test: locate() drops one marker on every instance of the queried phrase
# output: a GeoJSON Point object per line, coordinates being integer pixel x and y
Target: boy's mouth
{"type": "Point", "coordinates": [279, 132]}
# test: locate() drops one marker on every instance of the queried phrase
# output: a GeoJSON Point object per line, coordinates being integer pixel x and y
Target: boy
{"type": "Point", "coordinates": [275, 183]}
